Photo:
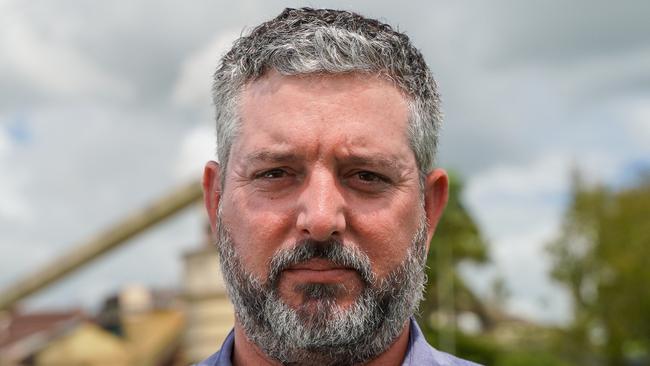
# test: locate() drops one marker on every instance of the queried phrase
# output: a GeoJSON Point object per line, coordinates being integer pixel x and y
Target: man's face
{"type": "Point", "coordinates": [324, 162]}
{"type": "Point", "coordinates": [321, 157]}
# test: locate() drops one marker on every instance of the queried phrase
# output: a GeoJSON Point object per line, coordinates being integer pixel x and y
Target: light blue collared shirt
{"type": "Point", "coordinates": [419, 352]}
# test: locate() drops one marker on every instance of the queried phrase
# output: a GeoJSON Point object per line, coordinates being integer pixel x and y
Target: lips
{"type": "Point", "coordinates": [319, 271]}
{"type": "Point", "coordinates": [318, 265]}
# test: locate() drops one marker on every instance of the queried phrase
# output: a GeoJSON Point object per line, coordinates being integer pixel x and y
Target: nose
{"type": "Point", "coordinates": [321, 207]}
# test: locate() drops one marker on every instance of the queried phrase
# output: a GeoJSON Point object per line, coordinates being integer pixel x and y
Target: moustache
{"type": "Point", "coordinates": [332, 250]}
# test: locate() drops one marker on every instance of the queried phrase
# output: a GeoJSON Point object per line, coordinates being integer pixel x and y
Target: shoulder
{"type": "Point", "coordinates": [445, 359]}
{"type": "Point", "coordinates": [211, 361]}
{"type": "Point", "coordinates": [222, 356]}
{"type": "Point", "coordinates": [422, 353]}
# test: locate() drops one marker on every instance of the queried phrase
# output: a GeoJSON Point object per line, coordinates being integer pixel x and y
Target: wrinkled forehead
{"type": "Point", "coordinates": [305, 90]}
{"type": "Point", "coordinates": [350, 102]}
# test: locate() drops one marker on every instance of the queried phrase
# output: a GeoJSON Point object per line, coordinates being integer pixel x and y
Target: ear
{"type": "Point", "coordinates": [436, 193]}
{"type": "Point", "coordinates": [212, 191]}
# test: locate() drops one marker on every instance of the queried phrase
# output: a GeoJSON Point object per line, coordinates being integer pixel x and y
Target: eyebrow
{"type": "Point", "coordinates": [370, 160]}
{"type": "Point", "coordinates": [271, 156]}
{"type": "Point", "coordinates": [376, 161]}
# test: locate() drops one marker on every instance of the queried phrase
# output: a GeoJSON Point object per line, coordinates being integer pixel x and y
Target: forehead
{"type": "Point", "coordinates": [313, 113]}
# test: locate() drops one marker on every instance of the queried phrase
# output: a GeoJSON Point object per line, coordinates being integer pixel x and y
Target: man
{"type": "Point", "coordinates": [325, 197]}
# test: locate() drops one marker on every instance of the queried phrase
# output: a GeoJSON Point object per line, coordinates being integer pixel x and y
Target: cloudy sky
{"type": "Point", "coordinates": [105, 106]}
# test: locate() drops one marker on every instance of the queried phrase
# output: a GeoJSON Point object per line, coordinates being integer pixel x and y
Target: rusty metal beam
{"type": "Point", "coordinates": [107, 240]}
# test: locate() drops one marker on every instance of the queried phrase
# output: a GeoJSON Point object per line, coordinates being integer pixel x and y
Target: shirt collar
{"type": "Point", "coordinates": [419, 352]}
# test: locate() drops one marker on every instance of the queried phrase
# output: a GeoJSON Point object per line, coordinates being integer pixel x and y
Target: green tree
{"type": "Point", "coordinates": [602, 257]}
{"type": "Point", "coordinates": [457, 240]}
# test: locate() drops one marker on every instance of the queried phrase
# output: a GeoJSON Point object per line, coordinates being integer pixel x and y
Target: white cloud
{"type": "Point", "coordinates": [13, 206]}
{"type": "Point", "coordinates": [194, 83]}
{"type": "Point", "coordinates": [637, 123]}
{"type": "Point", "coordinates": [5, 142]}
{"type": "Point", "coordinates": [517, 198]}
{"type": "Point", "coordinates": [48, 66]}
{"type": "Point", "coordinates": [192, 90]}
{"type": "Point", "coordinates": [522, 259]}
{"type": "Point", "coordinates": [197, 147]}
{"type": "Point", "coordinates": [520, 209]}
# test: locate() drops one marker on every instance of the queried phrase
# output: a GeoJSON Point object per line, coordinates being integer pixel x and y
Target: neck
{"type": "Point", "coordinates": [246, 352]}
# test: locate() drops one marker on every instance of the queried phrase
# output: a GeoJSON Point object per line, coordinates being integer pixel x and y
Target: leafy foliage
{"type": "Point", "coordinates": [457, 240]}
{"type": "Point", "coordinates": [601, 256]}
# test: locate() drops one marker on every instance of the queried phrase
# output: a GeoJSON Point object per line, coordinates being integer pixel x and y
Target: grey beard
{"type": "Point", "coordinates": [327, 334]}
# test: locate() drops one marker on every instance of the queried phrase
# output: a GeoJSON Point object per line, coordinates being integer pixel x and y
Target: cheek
{"type": "Point", "coordinates": [386, 235]}
{"type": "Point", "coordinates": [256, 233]}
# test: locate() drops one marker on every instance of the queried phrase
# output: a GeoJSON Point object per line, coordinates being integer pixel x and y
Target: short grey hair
{"type": "Point", "coordinates": [311, 41]}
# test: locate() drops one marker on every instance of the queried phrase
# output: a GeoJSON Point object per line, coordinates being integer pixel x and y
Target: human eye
{"type": "Point", "coordinates": [370, 177]}
{"type": "Point", "coordinates": [274, 179]}
{"type": "Point", "coordinates": [274, 173]}
{"type": "Point", "coordinates": [368, 181]}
